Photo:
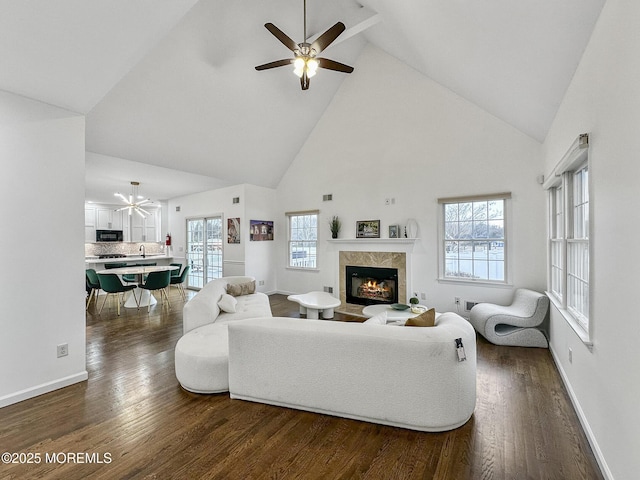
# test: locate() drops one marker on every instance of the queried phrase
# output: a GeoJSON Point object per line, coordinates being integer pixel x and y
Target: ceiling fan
{"type": "Point", "coordinates": [305, 61]}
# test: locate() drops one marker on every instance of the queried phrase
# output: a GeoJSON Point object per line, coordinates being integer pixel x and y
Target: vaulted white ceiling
{"type": "Point", "coordinates": [172, 84]}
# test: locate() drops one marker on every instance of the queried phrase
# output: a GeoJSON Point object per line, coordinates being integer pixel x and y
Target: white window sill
{"type": "Point", "coordinates": [478, 283]}
{"type": "Point", "coordinates": [303, 269]}
{"type": "Point", "coordinates": [582, 334]}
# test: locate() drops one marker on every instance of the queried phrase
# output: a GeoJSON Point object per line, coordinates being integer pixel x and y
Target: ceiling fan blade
{"type": "Point", "coordinates": [324, 40]}
{"type": "Point", "coordinates": [277, 63]}
{"type": "Point", "coordinates": [333, 65]}
{"type": "Point", "coordinates": [280, 35]}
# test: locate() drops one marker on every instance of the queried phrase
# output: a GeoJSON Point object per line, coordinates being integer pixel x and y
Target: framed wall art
{"type": "Point", "coordinates": [368, 229]}
{"type": "Point", "coordinates": [260, 230]}
{"type": "Point", "coordinates": [233, 230]}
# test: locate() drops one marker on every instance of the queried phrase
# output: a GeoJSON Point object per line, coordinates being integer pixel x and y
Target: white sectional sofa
{"type": "Point", "coordinates": [202, 354]}
{"type": "Point", "coordinates": [402, 376]}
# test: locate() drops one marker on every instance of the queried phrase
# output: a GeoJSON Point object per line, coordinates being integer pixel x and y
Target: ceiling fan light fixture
{"type": "Point", "coordinates": [305, 64]}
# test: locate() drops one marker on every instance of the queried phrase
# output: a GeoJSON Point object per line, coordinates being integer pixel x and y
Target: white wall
{"type": "Point", "coordinates": [604, 100]}
{"type": "Point", "coordinates": [390, 132]}
{"type": "Point", "coordinates": [245, 258]}
{"type": "Point", "coordinates": [42, 242]}
{"type": "Point", "coordinates": [261, 256]}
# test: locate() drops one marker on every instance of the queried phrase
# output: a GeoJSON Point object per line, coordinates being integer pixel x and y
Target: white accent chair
{"type": "Point", "coordinates": [517, 324]}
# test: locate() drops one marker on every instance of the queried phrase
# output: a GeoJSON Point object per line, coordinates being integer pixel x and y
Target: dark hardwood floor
{"type": "Point", "coordinates": [132, 416]}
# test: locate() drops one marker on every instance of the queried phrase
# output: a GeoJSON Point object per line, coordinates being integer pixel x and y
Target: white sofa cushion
{"type": "Point", "coordinates": [228, 303]}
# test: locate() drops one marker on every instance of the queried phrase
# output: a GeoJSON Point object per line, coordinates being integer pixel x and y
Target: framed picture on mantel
{"type": "Point", "coordinates": [368, 229]}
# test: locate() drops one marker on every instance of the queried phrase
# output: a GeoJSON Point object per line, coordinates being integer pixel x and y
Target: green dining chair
{"type": "Point", "coordinates": [93, 286]}
{"type": "Point", "coordinates": [157, 281]}
{"type": "Point", "coordinates": [153, 264]}
{"type": "Point", "coordinates": [176, 273]}
{"type": "Point", "coordinates": [110, 283]}
{"type": "Point", "coordinates": [179, 281]}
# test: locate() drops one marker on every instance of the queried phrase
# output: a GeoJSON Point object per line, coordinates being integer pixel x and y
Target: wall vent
{"type": "Point", "coordinates": [236, 199]}
{"type": "Point", "coordinates": [327, 197]}
{"type": "Point", "coordinates": [328, 289]}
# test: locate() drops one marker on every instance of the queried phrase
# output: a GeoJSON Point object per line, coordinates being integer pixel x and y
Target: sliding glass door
{"type": "Point", "coordinates": [204, 250]}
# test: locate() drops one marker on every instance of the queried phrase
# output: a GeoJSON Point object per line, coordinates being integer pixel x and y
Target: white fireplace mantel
{"type": "Point", "coordinates": [374, 244]}
{"type": "Point", "coordinates": [394, 241]}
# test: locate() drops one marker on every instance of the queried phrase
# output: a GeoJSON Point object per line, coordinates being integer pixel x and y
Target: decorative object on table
{"type": "Point", "coordinates": [368, 229]}
{"type": "Point", "coordinates": [414, 305]}
{"type": "Point", "coordinates": [412, 228]}
{"type": "Point", "coordinates": [394, 231]}
{"type": "Point", "coordinates": [334, 226]}
{"type": "Point", "coordinates": [233, 230]}
{"type": "Point", "coordinates": [260, 230]}
{"type": "Point", "coordinates": [399, 306]}
{"type": "Point", "coordinates": [135, 201]}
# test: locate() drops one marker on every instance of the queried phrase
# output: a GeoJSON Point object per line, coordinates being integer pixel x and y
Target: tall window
{"type": "Point", "coordinates": [303, 239]}
{"type": "Point", "coordinates": [569, 236]}
{"type": "Point", "coordinates": [473, 242]}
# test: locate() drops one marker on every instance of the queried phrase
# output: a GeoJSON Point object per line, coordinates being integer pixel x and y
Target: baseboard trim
{"type": "Point", "coordinates": [42, 389]}
{"type": "Point", "coordinates": [604, 468]}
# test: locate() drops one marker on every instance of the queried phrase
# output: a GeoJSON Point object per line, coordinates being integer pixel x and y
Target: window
{"type": "Point", "coordinates": [473, 241]}
{"type": "Point", "coordinates": [303, 239]}
{"type": "Point", "coordinates": [569, 237]}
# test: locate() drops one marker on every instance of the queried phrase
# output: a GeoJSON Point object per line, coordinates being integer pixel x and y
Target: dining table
{"type": "Point", "coordinates": [144, 296]}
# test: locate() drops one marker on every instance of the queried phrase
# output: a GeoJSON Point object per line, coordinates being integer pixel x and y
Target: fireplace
{"type": "Point", "coordinates": [371, 285]}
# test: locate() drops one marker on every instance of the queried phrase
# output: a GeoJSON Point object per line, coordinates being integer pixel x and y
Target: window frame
{"type": "Point", "coordinates": [569, 244]}
{"type": "Point", "coordinates": [442, 204]}
{"type": "Point", "coordinates": [289, 257]}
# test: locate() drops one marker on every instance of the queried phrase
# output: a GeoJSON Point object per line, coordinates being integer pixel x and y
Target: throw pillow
{"type": "Point", "coordinates": [227, 303]}
{"type": "Point", "coordinates": [426, 319]}
{"type": "Point", "coordinates": [379, 319]}
{"type": "Point", "coordinates": [238, 289]}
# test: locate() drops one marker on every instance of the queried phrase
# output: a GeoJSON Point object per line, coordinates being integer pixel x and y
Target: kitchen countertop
{"type": "Point", "coordinates": [129, 258]}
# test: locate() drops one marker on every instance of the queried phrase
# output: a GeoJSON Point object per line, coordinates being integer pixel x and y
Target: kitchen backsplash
{"type": "Point", "coordinates": [125, 248]}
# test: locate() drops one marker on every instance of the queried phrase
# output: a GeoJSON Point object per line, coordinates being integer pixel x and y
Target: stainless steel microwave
{"type": "Point", "coordinates": [109, 236]}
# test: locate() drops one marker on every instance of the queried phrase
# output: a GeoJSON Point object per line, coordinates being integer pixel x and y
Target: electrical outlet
{"type": "Point", "coordinates": [260, 283]}
{"type": "Point", "coordinates": [456, 300]}
{"type": "Point", "coordinates": [387, 201]}
{"type": "Point", "coordinates": [328, 289]}
{"type": "Point", "coordinates": [469, 305]}
{"type": "Point", "coordinates": [423, 296]}
{"type": "Point", "coordinates": [63, 350]}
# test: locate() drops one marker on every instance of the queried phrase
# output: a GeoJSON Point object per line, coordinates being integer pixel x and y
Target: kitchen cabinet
{"type": "Point", "coordinates": [145, 229]}
{"type": "Point", "coordinates": [108, 218]}
{"type": "Point", "coordinates": [89, 223]}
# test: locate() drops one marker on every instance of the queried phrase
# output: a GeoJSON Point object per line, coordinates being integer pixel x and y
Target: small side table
{"type": "Point", "coordinates": [315, 303]}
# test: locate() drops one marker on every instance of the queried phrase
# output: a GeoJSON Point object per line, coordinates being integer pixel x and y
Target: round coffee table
{"type": "Point", "coordinates": [393, 316]}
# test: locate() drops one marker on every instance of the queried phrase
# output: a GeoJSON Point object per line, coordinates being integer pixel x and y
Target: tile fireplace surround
{"type": "Point", "coordinates": [371, 259]}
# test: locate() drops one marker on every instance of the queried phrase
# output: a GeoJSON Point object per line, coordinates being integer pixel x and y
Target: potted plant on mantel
{"type": "Point", "coordinates": [334, 225]}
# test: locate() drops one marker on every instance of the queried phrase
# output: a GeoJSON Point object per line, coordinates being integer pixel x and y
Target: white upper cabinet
{"type": "Point", "coordinates": [108, 218]}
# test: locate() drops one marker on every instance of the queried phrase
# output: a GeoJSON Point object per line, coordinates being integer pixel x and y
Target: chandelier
{"type": "Point", "coordinates": [135, 201]}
